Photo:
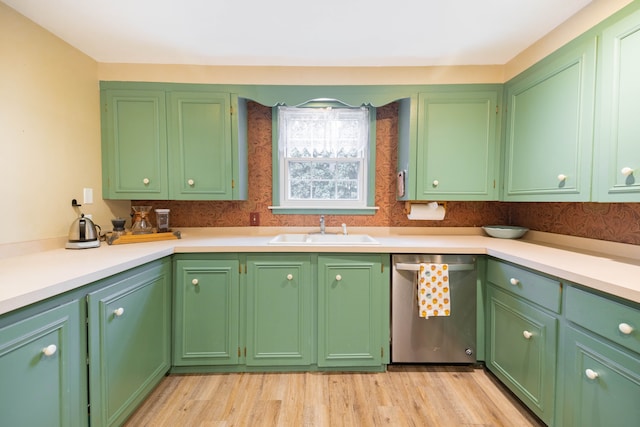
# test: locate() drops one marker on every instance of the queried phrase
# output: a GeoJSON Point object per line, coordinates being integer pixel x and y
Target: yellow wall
{"type": "Point", "coordinates": [49, 133]}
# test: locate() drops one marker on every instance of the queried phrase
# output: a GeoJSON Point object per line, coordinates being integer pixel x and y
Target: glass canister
{"type": "Point", "coordinates": [141, 223]}
{"type": "Point", "coordinates": [162, 219]}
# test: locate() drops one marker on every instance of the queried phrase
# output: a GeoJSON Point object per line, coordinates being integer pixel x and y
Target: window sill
{"type": "Point", "coordinates": [280, 210]}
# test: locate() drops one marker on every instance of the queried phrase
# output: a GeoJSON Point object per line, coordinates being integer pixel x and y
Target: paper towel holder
{"type": "Point", "coordinates": [407, 205]}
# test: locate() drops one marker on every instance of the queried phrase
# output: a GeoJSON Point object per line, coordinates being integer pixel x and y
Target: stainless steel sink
{"type": "Point", "coordinates": [323, 239]}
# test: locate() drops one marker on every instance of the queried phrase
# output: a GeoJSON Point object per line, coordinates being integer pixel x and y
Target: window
{"type": "Point", "coordinates": [324, 157]}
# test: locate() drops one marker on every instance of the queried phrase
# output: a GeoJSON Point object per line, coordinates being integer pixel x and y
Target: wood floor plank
{"type": "Point", "coordinates": [404, 396]}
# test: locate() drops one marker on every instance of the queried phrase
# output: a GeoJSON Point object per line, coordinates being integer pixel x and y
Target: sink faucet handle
{"type": "Point", "coordinates": [344, 228]}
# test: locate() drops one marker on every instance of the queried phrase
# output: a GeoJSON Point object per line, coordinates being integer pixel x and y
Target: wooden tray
{"type": "Point", "coordinates": [141, 238]}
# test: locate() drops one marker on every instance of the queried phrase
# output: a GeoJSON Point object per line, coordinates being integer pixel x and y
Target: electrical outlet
{"type": "Point", "coordinates": [87, 194]}
{"type": "Point", "coordinates": [254, 218]}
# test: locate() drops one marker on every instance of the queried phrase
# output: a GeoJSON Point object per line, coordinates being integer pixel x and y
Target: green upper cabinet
{"type": "Point", "coordinates": [449, 143]}
{"type": "Point", "coordinates": [353, 310]}
{"type": "Point", "coordinates": [457, 145]}
{"type": "Point", "coordinates": [279, 310]}
{"type": "Point", "coordinates": [618, 164]}
{"type": "Point", "coordinates": [201, 163]}
{"type": "Point", "coordinates": [172, 141]}
{"type": "Point", "coordinates": [134, 144]}
{"type": "Point", "coordinates": [549, 127]}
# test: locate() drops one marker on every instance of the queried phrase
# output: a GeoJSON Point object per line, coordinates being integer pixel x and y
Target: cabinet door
{"type": "Point", "coordinates": [522, 350]}
{"type": "Point", "coordinates": [549, 131]}
{"type": "Point", "coordinates": [134, 145]}
{"type": "Point", "coordinates": [279, 310]}
{"type": "Point", "coordinates": [206, 312]}
{"type": "Point", "coordinates": [43, 370]}
{"type": "Point", "coordinates": [618, 165]}
{"type": "Point", "coordinates": [129, 341]}
{"type": "Point", "coordinates": [602, 384]}
{"type": "Point", "coordinates": [200, 146]}
{"type": "Point", "coordinates": [353, 310]}
{"type": "Point", "coordinates": [457, 145]}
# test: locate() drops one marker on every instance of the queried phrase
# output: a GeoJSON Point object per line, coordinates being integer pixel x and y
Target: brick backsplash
{"type": "Point", "coordinates": [615, 222]}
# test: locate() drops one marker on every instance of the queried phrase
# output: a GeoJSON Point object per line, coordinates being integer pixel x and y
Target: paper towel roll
{"type": "Point", "coordinates": [429, 211]}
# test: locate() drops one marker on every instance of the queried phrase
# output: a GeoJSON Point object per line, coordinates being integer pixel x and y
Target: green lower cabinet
{"type": "Point", "coordinates": [129, 326]}
{"type": "Point", "coordinates": [601, 383]}
{"type": "Point", "coordinates": [279, 310]}
{"type": "Point", "coordinates": [521, 350]}
{"type": "Point", "coordinates": [353, 310]}
{"type": "Point", "coordinates": [43, 370]}
{"type": "Point", "coordinates": [206, 311]}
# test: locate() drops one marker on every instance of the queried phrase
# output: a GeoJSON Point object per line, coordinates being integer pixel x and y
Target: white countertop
{"type": "Point", "coordinates": [609, 267]}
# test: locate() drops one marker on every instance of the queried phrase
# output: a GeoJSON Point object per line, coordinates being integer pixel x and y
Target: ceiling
{"type": "Point", "coordinates": [299, 32]}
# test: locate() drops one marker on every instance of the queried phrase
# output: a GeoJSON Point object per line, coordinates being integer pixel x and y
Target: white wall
{"type": "Point", "coordinates": [49, 133]}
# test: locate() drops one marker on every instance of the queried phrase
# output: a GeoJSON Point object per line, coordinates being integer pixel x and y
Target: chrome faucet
{"type": "Point", "coordinates": [321, 224]}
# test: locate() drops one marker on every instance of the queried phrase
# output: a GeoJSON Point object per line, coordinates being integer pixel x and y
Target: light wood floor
{"type": "Point", "coordinates": [405, 395]}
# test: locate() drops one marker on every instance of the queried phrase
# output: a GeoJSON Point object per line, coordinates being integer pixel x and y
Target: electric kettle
{"type": "Point", "coordinates": [83, 234]}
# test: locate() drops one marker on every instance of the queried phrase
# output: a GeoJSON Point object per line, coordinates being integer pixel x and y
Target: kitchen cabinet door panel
{"type": "Point", "coordinates": [549, 129]}
{"type": "Point", "coordinates": [206, 312]}
{"type": "Point", "coordinates": [279, 310]}
{"type": "Point", "coordinates": [457, 145]}
{"type": "Point", "coordinates": [134, 152]}
{"type": "Point", "coordinates": [39, 389]}
{"type": "Point", "coordinates": [129, 341]}
{"type": "Point", "coordinates": [522, 350]}
{"type": "Point", "coordinates": [200, 149]}
{"type": "Point", "coordinates": [353, 310]}
{"type": "Point", "coordinates": [619, 132]}
{"type": "Point", "coordinates": [602, 383]}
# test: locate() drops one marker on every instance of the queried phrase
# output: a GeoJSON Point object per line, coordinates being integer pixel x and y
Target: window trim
{"type": "Point", "coordinates": [368, 209]}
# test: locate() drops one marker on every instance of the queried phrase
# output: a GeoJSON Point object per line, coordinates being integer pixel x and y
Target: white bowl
{"type": "Point", "coordinates": [505, 231]}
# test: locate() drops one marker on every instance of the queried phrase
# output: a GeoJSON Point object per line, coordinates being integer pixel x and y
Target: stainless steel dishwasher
{"type": "Point", "coordinates": [445, 339]}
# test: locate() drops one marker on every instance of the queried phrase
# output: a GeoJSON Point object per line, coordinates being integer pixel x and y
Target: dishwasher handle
{"type": "Point", "coordinates": [416, 267]}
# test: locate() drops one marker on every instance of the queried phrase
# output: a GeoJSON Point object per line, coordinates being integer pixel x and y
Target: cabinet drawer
{"type": "Point", "coordinates": [534, 287]}
{"type": "Point", "coordinates": [615, 321]}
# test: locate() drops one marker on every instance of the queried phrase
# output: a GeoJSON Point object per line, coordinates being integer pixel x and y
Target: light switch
{"type": "Point", "coordinates": [87, 196]}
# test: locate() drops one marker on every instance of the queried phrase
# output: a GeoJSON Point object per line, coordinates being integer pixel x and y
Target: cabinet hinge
{"type": "Point", "coordinates": [233, 183]}
{"type": "Point", "coordinates": [382, 352]}
{"type": "Point", "coordinates": [231, 111]}
{"type": "Point", "coordinates": [87, 361]}
{"type": "Point", "coordinates": [494, 183]}
{"type": "Point", "coordinates": [245, 272]}
{"type": "Point", "coordinates": [239, 352]}
{"type": "Point", "coordinates": [381, 268]}
{"type": "Point", "coordinates": [239, 271]}
{"type": "Point", "coordinates": [497, 109]}
{"type": "Point", "coordinates": [245, 352]}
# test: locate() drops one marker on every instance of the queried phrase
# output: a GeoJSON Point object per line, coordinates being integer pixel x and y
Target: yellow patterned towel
{"type": "Point", "coordinates": [434, 298]}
